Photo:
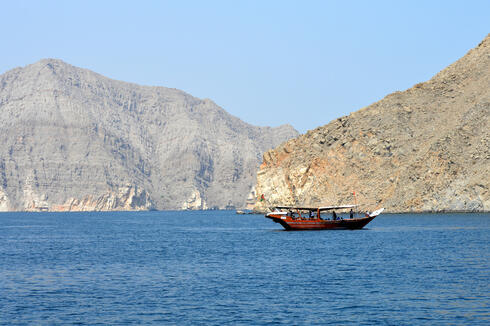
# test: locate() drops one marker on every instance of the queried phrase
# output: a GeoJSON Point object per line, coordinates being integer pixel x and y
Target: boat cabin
{"type": "Point", "coordinates": [307, 213]}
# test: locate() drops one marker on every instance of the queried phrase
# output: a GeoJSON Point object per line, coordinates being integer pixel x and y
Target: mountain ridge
{"type": "Point", "coordinates": [423, 149]}
{"type": "Point", "coordinates": [76, 140]}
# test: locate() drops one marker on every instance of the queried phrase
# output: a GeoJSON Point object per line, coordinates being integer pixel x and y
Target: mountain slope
{"type": "Point", "coordinates": [424, 149]}
{"type": "Point", "coordinates": [75, 140]}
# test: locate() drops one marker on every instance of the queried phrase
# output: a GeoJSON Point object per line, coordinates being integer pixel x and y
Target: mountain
{"type": "Point", "coordinates": [423, 149]}
{"type": "Point", "coordinates": [75, 140]}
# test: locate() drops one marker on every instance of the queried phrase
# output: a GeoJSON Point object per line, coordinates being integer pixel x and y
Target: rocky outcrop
{"type": "Point", "coordinates": [4, 202]}
{"type": "Point", "coordinates": [72, 139]}
{"type": "Point", "coordinates": [194, 202]}
{"type": "Point", "coordinates": [128, 198]}
{"type": "Point", "coordinates": [424, 149]}
{"type": "Point", "coordinates": [251, 198]}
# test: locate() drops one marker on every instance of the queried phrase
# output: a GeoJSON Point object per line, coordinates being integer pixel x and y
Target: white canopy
{"type": "Point", "coordinates": [321, 208]}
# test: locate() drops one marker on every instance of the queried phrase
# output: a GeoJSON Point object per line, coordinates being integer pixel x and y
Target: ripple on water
{"type": "Point", "coordinates": [219, 268]}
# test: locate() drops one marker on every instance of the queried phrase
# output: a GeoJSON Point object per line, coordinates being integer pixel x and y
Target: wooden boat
{"type": "Point", "coordinates": [310, 218]}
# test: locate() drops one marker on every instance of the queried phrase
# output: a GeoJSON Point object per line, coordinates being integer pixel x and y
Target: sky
{"type": "Point", "coordinates": [269, 63]}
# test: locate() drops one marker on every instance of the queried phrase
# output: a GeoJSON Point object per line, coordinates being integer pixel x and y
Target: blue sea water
{"type": "Point", "coordinates": [219, 268]}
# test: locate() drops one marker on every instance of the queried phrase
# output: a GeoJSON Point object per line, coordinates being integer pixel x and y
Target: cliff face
{"type": "Point", "coordinates": [75, 140]}
{"type": "Point", "coordinates": [424, 149]}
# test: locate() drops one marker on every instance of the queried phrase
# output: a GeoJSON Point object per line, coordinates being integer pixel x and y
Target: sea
{"type": "Point", "coordinates": [220, 268]}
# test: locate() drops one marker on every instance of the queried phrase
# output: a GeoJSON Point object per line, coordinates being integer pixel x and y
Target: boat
{"type": "Point", "coordinates": [310, 218]}
{"type": "Point", "coordinates": [244, 211]}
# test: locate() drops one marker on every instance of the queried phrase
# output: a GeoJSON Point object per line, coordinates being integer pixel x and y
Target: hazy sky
{"type": "Point", "coordinates": [267, 62]}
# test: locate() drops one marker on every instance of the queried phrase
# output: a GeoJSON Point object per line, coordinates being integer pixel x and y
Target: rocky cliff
{"type": "Point", "coordinates": [424, 149]}
{"type": "Point", "coordinates": [75, 140]}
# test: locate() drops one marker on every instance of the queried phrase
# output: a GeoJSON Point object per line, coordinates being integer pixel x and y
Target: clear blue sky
{"type": "Point", "coordinates": [267, 62]}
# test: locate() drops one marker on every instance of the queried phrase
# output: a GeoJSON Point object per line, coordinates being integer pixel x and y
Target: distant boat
{"type": "Point", "coordinates": [310, 218]}
{"type": "Point", "coordinates": [245, 211]}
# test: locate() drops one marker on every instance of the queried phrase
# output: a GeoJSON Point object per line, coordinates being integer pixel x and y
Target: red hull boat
{"type": "Point", "coordinates": [309, 218]}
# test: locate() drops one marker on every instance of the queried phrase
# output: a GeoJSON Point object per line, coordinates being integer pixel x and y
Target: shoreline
{"type": "Point", "coordinates": [251, 213]}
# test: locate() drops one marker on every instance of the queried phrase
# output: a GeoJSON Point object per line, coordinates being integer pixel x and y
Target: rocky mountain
{"type": "Point", "coordinates": [72, 139]}
{"type": "Point", "coordinates": [423, 149]}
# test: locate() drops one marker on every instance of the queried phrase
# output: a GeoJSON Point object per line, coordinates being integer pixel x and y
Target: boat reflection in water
{"type": "Point", "coordinates": [310, 218]}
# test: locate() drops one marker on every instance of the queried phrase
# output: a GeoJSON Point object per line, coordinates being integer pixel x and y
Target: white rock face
{"type": "Point", "coordinates": [33, 201]}
{"type": "Point", "coordinates": [128, 198]}
{"type": "Point", "coordinates": [195, 202]}
{"type": "Point", "coordinates": [4, 202]}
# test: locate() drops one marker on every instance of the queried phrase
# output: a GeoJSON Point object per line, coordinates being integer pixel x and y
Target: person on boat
{"type": "Point", "coordinates": [334, 216]}
{"type": "Point", "coordinates": [351, 213]}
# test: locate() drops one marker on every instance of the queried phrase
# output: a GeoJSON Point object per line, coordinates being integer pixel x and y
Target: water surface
{"type": "Point", "coordinates": [219, 268]}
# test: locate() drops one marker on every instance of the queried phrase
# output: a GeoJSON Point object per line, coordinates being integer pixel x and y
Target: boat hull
{"type": "Point", "coordinates": [292, 224]}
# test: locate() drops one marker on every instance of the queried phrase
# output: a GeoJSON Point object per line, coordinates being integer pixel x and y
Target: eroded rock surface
{"type": "Point", "coordinates": [424, 149]}
{"type": "Point", "coordinates": [72, 139]}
